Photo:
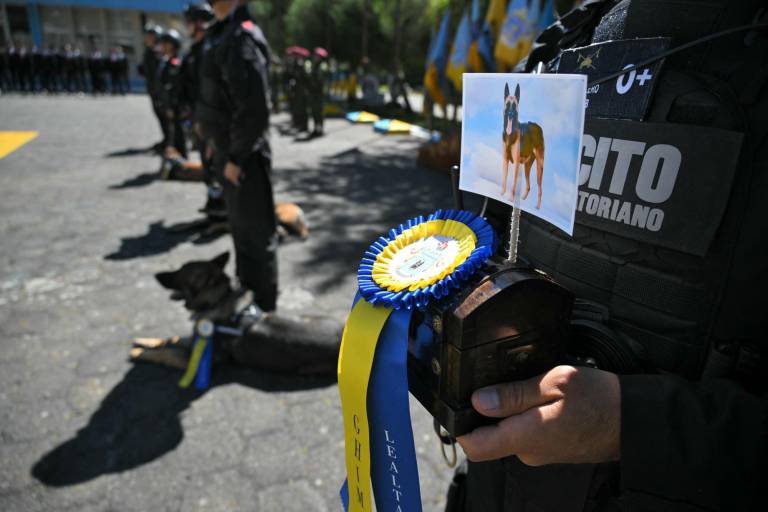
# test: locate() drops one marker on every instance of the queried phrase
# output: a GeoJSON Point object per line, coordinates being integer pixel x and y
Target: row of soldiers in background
{"type": "Point", "coordinates": [216, 97]}
{"type": "Point", "coordinates": [66, 69]}
{"type": "Point", "coordinates": [172, 83]}
{"type": "Point", "coordinates": [304, 79]}
{"type": "Point", "coordinates": [162, 70]}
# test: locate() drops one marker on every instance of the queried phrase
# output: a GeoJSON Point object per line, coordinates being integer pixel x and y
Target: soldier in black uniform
{"type": "Point", "coordinates": [197, 17]}
{"type": "Point", "coordinates": [148, 69]}
{"type": "Point", "coordinates": [5, 75]}
{"type": "Point", "coordinates": [97, 70]}
{"type": "Point", "coordinates": [275, 83]}
{"type": "Point", "coordinates": [289, 85]}
{"type": "Point", "coordinates": [316, 86]}
{"type": "Point", "coordinates": [168, 92]}
{"type": "Point", "coordinates": [680, 419]}
{"type": "Point", "coordinates": [24, 69]}
{"type": "Point", "coordinates": [116, 60]}
{"type": "Point", "coordinates": [233, 110]}
{"type": "Point", "coordinates": [13, 68]}
{"type": "Point", "coordinates": [51, 78]}
{"type": "Point", "coordinates": [38, 70]}
{"type": "Point", "coordinates": [80, 64]}
{"type": "Point", "coordinates": [69, 68]}
{"type": "Point", "coordinates": [122, 60]}
{"type": "Point", "coordinates": [59, 65]}
{"type": "Point", "coordinates": [301, 70]}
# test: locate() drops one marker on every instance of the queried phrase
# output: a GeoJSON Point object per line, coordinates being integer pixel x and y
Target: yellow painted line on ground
{"type": "Point", "coordinates": [11, 141]}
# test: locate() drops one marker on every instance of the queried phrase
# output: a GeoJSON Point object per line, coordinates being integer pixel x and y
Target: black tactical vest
{"type": "Point", "coordinates": [671, 220]}
{"type": "Point", "coordinates": [213, 108]}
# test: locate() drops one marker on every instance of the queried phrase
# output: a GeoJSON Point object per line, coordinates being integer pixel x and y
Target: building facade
{"type": "Point", "coordinates": [87, 24]}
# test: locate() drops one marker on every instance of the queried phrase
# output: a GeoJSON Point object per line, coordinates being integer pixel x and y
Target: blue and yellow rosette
{"type": "Point", "coordinates": [201, 359]}
{"type": "Point", "coordinates": [413, 264]}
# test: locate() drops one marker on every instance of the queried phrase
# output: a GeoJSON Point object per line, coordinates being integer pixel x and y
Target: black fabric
{"type": "Point", "coordinates": [509, 485]}
{"type": "Point", "coordinates": [233, 105]}
{"type": "Point", "coordinates": [148, 68]}
{"type": "Point", "coordinates": [456, 501]}
{"type": "Point", "coordinates": [692, 446]}
{"type": "Point", "coordinates": [251, 212]}
{"type": "Point", "coordinates": [190, 76]}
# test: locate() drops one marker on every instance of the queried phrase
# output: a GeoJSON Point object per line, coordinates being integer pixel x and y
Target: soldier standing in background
{"type": "Point", "coordinates": [316, 88]}
{"type": "Point", "coordinates": [233, 110]}
{"type": "Point", "coordinates": [13, 67]}
{"type": "Point", "coordinates": [69, 67]}
{"type": "Point", "coordinates": [197, 17]}
{"type": "Point", "coordinates": [80, 65]}
{"type": "Point", "coordinates": [289, 85]}
{"type": "Point", "coordinates": [115, 65]}
{"type": "Point", "coordinates": [54, 65]}
{"type": "Point", "coordinates": [275, 83]}
{"type": "Point", "coordinates": [36, 70]}
{"type": "Point", "coordinates": [148, 69]}
{"type": "Point", "coordinates": [301, 85]}
{"type": "Point", "coordinates": [96, 71]}
{"type": "Point", "coordinates": [5, 85]}
{"type": "Point", "coordinates": [49, 63]}
{"type": "Point", "coordinates": [122, 62]}
{"type": "Point", "coordinates": [24, 69]}
{"type": "Point", "coordinates": [168, 83]}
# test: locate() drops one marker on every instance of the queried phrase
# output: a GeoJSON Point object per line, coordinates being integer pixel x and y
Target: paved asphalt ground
{"type": "Point", "coordinates": [81, 235]}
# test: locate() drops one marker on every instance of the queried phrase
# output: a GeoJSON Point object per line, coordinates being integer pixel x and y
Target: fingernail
{"type": "Point", "coordinates": [488, 399]}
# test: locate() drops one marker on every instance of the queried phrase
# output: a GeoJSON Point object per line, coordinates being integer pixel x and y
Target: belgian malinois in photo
{"type": "Point", "coordinates": [522, 143]}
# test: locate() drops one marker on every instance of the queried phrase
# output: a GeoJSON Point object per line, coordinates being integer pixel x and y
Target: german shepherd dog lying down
{"type": "Point", "coordinates": [302, 345]}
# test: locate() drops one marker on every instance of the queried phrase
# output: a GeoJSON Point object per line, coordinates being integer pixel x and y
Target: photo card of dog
{"type": "Point", "coordinates": [529, 127]}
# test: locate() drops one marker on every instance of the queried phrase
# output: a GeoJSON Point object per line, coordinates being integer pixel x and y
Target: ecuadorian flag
{"type": "Point", "coordinates": [517, 33]}
{"type": "Point", "coordinates": [547, 16]}
{"type": "Point", "coordinates": [481, 56]}
{"type": "Point", "coordinates": [436, 61]}
{"type": "Point", "coordinates": [457, 64]}
{"type": "Point", "coordinates": [474, 59]}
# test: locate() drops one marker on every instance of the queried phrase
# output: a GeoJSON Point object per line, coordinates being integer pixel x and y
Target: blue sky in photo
{"type": "Point", "coordinates": [554, 102]}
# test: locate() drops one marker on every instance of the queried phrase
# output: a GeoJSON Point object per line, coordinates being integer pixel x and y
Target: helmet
{"type": "Point", "coordinates": [198, 12]}
{"type": "Point", "coordinates": [171, 36]}
{"type": "Point", "coordinates": [153, 29]}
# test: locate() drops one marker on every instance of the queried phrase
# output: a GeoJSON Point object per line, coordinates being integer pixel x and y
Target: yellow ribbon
{"type": "Point", "coordinates": [194, 363]}
{"type": "Point", "coordinates": [358, 346]}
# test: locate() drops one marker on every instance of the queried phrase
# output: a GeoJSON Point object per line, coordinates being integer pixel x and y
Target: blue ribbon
{"type": "Point", "coordinates": [203, 375]}
{"type": "Point", "coordinates": [394, 473]}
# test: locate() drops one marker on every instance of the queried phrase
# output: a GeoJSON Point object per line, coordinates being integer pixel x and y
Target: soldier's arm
{"type": "Point", "coordinates": [691, 445]}
{"type": "Point", "coordinates": [245, 75]}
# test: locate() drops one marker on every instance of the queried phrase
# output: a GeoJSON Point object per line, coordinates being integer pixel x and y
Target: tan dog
{"type": "Point", "coordinates": [522, 143]}
{"type": "Point", "coordinates": [291, 220]}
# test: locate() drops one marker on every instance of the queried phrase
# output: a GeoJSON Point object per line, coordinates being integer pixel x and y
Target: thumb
{"type": "Point", "coordinates": [503, 400]}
